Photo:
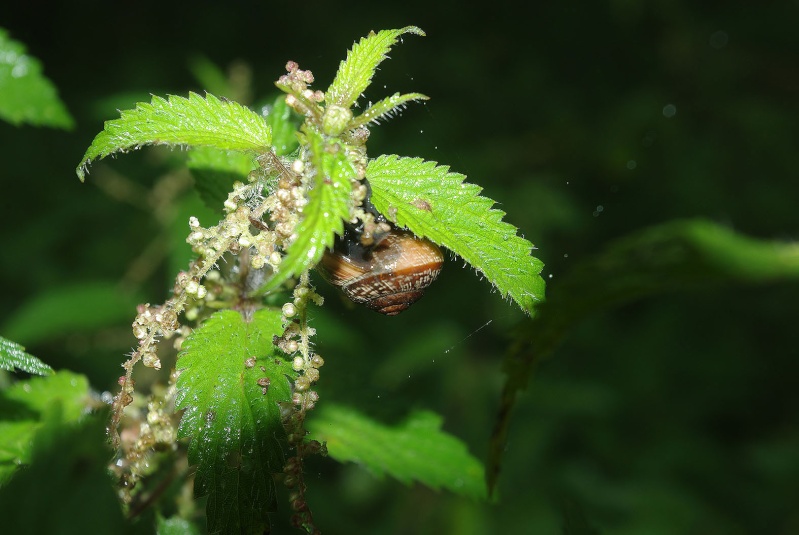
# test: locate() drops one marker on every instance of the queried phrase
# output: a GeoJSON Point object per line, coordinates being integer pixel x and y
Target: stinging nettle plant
{"type": "Point", "coordinates": [308, 196]}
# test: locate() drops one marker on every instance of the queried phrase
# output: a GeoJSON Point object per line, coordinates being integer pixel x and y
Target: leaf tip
{"type": "Point", "coordinates": [414, 30]}
{"type": "Point", "coordinates": [81, 170]}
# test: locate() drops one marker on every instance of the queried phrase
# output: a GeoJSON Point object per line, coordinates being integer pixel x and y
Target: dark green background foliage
{"type": "Point", "coordinates": [674, 414]}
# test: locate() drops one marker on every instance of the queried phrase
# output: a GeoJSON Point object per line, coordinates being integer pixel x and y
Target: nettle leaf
{"type": "Point", "coordinates": [195, 121]}
{"type": "Point", "coordinates": [435, 203]}
{"type": "Point", "coordinates": [235, 427]}
{"type": "Point", "coordinates": [13, 357]}
{"type": "Point", "coordinates": [384, 109]}
{"type": "Point", "coordinates": [415, 450]}
{"type": "Point", "coordinates": [323, 217]}
{"type": "Point", "coordinates": [26, 95]}
{"type": "Point", "coordinates": [215, 171]}
{"type": "Point", "coordinates": [355, 73]}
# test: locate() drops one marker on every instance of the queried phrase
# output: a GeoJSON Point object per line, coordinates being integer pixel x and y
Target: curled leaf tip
{"type": "Point", "coordinates": [414, 30]}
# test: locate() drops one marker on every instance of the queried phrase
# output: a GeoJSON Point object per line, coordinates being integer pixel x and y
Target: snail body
{"type": "Point", "coordinates": [387, 276]}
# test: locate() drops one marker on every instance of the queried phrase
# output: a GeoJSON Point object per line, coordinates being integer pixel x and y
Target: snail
{"type": "Point", "coordinates": [387, 276]}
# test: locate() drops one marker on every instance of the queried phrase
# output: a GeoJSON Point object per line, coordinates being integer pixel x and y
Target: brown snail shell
{"type": "Point", "coordinates": [388, 276]}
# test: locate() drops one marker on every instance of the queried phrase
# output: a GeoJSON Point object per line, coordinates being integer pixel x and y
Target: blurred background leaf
{"type": "Point", "coordinates": [67, 474]}
{"type": "Point", "coordinates": [25, 407]}
{"type": "Point", "coordinates": [215, 171]}
{"type": "Point", "coordinates": [26, 95]}
{"type": "Point", "coordinates": [70, 309]}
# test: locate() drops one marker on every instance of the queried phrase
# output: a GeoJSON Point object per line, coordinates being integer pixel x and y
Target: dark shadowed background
{"type": "Point", "coordinates": [676, 414]}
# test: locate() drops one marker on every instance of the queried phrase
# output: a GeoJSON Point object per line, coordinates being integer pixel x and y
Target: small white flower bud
{"type": "Point", "coordinates": [151, 361]}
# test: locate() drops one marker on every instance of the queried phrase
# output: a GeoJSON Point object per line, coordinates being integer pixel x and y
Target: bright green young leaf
{"type": "Point", "coordinates": [215, 171]}
{"type": "Point", "coordinates": [13, 357]}
{"type": "Point", "coordinates": [437, 204]}
{"type": "Point", "coordinates": [284, 124]}
{"type": "Point", "coordinates": [177, 121]}
{"type": "Point", "coordinates": [415, 450]}
{"type": "Point", "coordinates": [232, 415]}
{"type": "Point", "coordinates": [24, 406]}
{"type": "Point", "coordinates": [69, 309]}
{"type": "Point", "coordinates": [385, 108]}
{"type": "Point", "coordinates": [26, 95]}
{"type": "Point", "coordinates": [676, 256]}
{"type": "Point", "coordinates": [324, 215]}
{"type": "Point", "coordinates": [355, 73]}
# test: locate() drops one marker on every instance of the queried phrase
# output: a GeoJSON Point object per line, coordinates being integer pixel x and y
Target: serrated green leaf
{"type": "Point", "coordinates": [680, 255]}
{"type": "Point", "coordinates": [215, 171]}
{"type": "Point", "coordinates": [355, 73]}
{"type": "Point", "coordinates": [26, 95]}
{"type": "Point", "coordinates": [179, 121]}
{"type": "Point", "coordinates": [235, 428]}
{"type": "Point", "coordinates": [435, 203]}
{"type": "Point", "coordinates": [69, 309]}
{"type": "Point", "coordinates": [384, 109]}
{"type": "Point", "coordinates": [284, 124]}
{"type": "Point", "coordinates": [323, 217]}
{"type": "Point", "coordinates": [13, 357]}
{"type": "Point", "coordinates": [415, 450]}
